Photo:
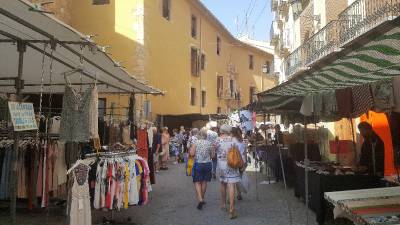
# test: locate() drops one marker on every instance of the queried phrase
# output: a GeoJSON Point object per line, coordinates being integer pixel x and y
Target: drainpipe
{"type": "Point", "coordinates": [201, 79]}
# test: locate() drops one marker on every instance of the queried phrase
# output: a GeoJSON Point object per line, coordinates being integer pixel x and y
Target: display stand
{"type": "Point", "coordinates": [111, 220]}
{"type": "Point", "coordinates": [267, 168]}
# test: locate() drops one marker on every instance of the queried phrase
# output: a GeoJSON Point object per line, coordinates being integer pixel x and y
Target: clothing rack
{"type": "Point", "coordinates": [111, 220]}
{"type": "Point", "coordinates": [111, 154]}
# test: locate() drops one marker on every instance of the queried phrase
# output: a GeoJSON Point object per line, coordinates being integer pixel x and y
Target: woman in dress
{"type": "Point", "coordinates": [237, 136]}
{"type": "Point", "coordinates": [228, 176]}
{"type": "Point", "coordinates": [202, 150]}
{"type": "Point", "coordinates": [164, 156]}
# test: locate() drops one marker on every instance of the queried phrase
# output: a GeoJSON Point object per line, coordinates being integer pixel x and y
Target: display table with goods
{"type": "Point", "coordinates": [270, 155]}
{"type": "Point", "coordinates": [327, 177]}
{"type": "Point", "coordinates": [378, 206]}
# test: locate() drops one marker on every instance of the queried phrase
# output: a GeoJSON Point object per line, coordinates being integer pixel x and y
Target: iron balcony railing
{"type": "Point", "coordinates": [363, 15]}
{"type": "Point", "coordinates": [360, 17]}
{"type": "Point", "coordinates": [295, 62]}
{"type": "Point", "coordinates": [274, 33]}
{"type": "Point", "coordinates": [322, 43]}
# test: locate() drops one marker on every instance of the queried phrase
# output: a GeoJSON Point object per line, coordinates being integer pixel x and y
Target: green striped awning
{"type": "Point", "coordinates": [377, 60]}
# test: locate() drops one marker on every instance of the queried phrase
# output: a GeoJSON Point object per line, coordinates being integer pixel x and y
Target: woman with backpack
{"type": "Point", "coordinates": [228, 176]}
{"type": "Point", "coordinates": [238, 138]}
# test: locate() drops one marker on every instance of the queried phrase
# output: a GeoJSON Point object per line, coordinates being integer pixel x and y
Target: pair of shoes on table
{"type": "Point", "coordinates": [200, 205]}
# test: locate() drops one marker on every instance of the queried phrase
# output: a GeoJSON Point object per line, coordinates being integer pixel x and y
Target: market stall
{"type": "Point", "coordinates": [379, 206]}
{"type": "Point", "coordinates": [42, 56]}
{"type": "Point", "coordinates": [359, 84]}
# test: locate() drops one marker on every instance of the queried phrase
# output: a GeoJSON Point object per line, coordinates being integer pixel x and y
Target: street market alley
{"type": "Point", "coordinates": [173, 203]}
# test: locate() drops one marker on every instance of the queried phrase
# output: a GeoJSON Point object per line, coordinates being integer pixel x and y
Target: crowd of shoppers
{"type": "Point", "coordinates": [208, 149]}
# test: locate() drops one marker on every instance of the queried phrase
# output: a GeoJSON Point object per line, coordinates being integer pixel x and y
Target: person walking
{"type": "Point", "coordinates": [212, 136]}
{"type": "Point", "coordinates": [228, 176]}
{"type": "Point", "coordinates": [156, 148]}
{"type": "Point", "coordinates": [175, 144]}
{"type": "Point", "coordinates": [164, 155]}
{"type": "Point", "coordinates": [238, 139]}
{"type": "Point", "coordinates": [202, 150]}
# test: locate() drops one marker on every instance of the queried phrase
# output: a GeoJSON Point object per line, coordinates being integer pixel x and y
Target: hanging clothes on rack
{"type": "Point", "coordinates": [79, 115]}
{"type": "Point", "coordinates": [5, 172]}
{"type": "Point", "coordinates": [80, 209]}
{"type": "Point", "coordinates": [126, 133]}
{"type": "Point", "coordinates": [121, 180]}
{"type": "Point", "coordinates": [142, 146]}
{"type": "Point", "coordinates": [38, 174]}
{"type": "Point", "coordinates": [54, 126]}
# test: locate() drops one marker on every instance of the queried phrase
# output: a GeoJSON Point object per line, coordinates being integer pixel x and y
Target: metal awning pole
{"type": "Point", "coordinates": [280, 144]}
{"type": "Point", "coordinates": [354, 140]}
{"type": "Point", "coordinates": [306, 165]}
{"type": "Point", "coordinates": [13, 178]}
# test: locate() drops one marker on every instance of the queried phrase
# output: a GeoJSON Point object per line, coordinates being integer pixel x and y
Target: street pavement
{"type": "Point", "coordinates": [173, 202]}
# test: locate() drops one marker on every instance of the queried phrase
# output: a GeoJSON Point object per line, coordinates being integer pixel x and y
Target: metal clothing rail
{"type": "Point", "coordinates": [111, 154]}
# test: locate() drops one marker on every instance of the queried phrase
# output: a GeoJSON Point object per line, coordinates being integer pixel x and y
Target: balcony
{"type": "Point", "coordinates": [357, 19]}
{"type": "Point", "coordinates": [274, 5]}
{"type": "Point", "coordinates": [283, 8]}
{"type": "Point", "coordinates": [363, 15]}
{"type": "Point", "coordinates": [298, 6]}
{"type": "Point", "coordinates": [323, 43]}
{"type": "Point", "coordinates": [285, 43]}
{"type": "Point", "coordinates": [295, 62]}
{"type": "Point", "coordinates": [274, 33]}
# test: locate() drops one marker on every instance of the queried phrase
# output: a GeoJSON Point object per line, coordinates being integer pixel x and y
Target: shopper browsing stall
{"type": "Point", "coordinates": [372, 151]}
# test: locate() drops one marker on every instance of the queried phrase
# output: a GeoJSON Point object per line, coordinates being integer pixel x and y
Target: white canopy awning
{"type": "Point", "coordinates": [19, 23]}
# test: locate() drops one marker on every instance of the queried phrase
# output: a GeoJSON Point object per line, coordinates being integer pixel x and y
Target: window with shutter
{"type": "Point", "coordinates": [194, 27]}
{"type": "Point", "coordinates": [220, 85]}
{"type": "Point", "coordinates": [203, 61]}
{"type": "Point", "coordinates": [268, 66]}
{"type": "Point", "coordinates": [203, 99]}
{"type": "Point", "coordinates": [251, 62]}
{"type": "Point", "coordinates": [252, 93]}
{"type": "Point", "coordinates": [232, 88]}
{"type": "Point", "coordinates": [192, 96]}
{"type": "Point", "coordinates": [218, 45]}
{"type": "Point", "coordinates": [101, 2]}
{"type": "Point", "coordinates": [194, 60]}
{"type": "Point", "coordinates": [166, 9]}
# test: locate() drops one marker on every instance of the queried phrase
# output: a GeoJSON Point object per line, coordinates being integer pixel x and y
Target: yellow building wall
{"type": "Point", "coordinates": [158, 50]}
{"type": "Point", "coordinates": [169, 42]}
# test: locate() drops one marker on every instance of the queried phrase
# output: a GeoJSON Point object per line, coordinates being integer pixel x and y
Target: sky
{"type": "Point", "coordinates": [229, 11]}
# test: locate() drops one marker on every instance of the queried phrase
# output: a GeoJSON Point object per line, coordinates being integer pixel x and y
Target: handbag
{"type": "Point", "coordinates": [244, 184]}
{"type": "Point", "coordinates": [161, 152]}
{"type": "Point", "coordinates": [234, 158]}
{"type": "Point", "coordinates": [189, 166]}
